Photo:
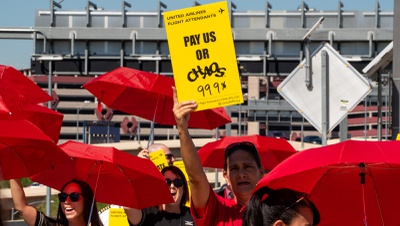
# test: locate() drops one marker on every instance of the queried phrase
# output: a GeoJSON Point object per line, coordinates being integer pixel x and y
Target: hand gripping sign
{"type": "Point", "coordinates": [203, 55]}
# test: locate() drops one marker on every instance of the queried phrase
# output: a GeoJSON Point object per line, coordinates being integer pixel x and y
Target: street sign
{"type": "Point", "coordinates": [346, 87]}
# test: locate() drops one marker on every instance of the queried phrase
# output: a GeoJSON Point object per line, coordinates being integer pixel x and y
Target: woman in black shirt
{"type": "Point", "coordinates": [74, 208]}
{"type": "Point", "coordinates": [175, 213]}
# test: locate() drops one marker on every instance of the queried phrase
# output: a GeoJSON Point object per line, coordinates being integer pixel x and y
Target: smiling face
{"type": "Point", "coordinates": [242, 174]}
{"type": "Point", "coordinates": [73, 210]}
{"type": "Point", "coordinates": [176, 193]}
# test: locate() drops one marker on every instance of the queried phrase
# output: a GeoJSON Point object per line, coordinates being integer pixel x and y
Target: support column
{"type": "Point", "coordinates": [396, 70]}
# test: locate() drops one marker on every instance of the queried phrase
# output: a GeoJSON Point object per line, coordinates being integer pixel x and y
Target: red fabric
{"type": "Point", "coordinates": [332, 176]}
{"type": "Point", "coordinates": [149, 96]}
{"type": "Point", "coordinates": [272, 151]}
{"type": "Point", "coordinates": [219, 212]}
{"type": "Point", "coordinates": [26, 150]}
{"type": "Point", "coordinates": [47, 120]}
{"type": "Point", "coordinates": [116, 177]}
{"type": "Point", "coordinates": [17, 91]}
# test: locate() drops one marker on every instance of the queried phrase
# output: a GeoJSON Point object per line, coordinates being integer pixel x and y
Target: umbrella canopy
{"type": "Point", "coordinates": [47, 120]}
{"type": "Point", "coordinates": [116, 177]}
{"type": "Point", "coordinates": [149, 96]}
{"type": "Point", "coordinates": [272, 151]}
{"type": "Point", "coordinates": [17, 91]}
{"type": "Point", "coordinates": [351, 183]}
{"type": "Point", "coordinates": [25, 150]}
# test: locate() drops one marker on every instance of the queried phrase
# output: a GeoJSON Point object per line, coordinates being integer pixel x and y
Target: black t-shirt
{"type": "Point", "coordinates": [153, 217]}
{"type": "Point", "coordinates": [43, 220]}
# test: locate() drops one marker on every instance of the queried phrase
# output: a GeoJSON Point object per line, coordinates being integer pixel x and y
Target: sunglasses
{"type": "Point", "coordinates": [169, 156]}
{"type": "Point", "coordinates": [177, 182]}
{"type": "Point", "coordinates": [301, 199]}
{"type": "Point", "coordinates": [74, 196]}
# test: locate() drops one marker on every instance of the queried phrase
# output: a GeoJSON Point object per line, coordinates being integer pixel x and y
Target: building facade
{"type": "Point", "coordinates": [74, 46]}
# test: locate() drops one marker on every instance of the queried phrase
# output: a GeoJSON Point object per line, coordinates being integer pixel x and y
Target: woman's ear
{"type": "Point", "coordinates": [225, 175]}
{"type": "Point", "coordinates": [279, 223]}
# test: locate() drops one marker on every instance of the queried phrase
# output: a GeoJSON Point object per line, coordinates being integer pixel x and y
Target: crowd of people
{"type": "Point", "coordinates": [238, 205]}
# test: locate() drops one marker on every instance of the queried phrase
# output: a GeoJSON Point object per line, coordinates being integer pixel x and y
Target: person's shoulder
{"type": "Point", "coordinates": [151, 210]}
{"type": "Point", "coordinates": [43, 220]}
{"type": "Point", "coordinates": [185, 209]}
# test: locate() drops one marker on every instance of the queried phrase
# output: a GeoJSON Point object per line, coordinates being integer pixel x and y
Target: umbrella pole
{"type": "Point", "coordinates": [362, 181]}
{"type": "Point", "coordinates": [94, 193]}
{"type": "Point", "coordinates": [365, 211]}
{"type": "Point", "coordinates": [151, 135]}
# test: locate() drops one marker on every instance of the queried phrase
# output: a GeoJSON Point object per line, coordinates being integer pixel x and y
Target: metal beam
{"type": "Point", "coordinates": [241, 34]}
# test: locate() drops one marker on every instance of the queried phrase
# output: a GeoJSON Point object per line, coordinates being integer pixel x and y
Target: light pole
{"type": "Point", "coordinates": [85, 103]}
{"type": "Point", "coordinates": [50, 58]}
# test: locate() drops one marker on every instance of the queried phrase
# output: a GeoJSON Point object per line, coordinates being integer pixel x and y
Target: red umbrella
{"type": "Point", "coordinates": [17, 91]}
{"type": "Point", "coordinates": [25, 150]}
{"type": "Point", "coordinates": [149, 96]}
{"type": "Point", "coordinates": [272, 151]}
{"type": "Point", "coordinates": [116, 177]}
{"type": "Point", "coordinates": [47, 120]}
{"type": "Point", "coordinates": [351, 183]}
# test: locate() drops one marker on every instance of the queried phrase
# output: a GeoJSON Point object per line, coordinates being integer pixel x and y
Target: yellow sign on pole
{"type": "Point", "coordinates": [158, 158]}
{"type": "Point", "coordinates": [203, 55]}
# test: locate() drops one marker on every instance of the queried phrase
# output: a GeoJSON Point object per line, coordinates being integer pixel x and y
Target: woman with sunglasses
{"type": "Point", "coordinates": [176, 213]}
{"type": "Point", "coordinates": [76, 199]}
{"type": "Point", "coordinates": [281, 207]}
{"type": "Point", "coordinates": [242, 171]}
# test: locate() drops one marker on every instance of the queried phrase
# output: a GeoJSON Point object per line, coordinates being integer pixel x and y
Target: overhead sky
{"type": "Point", "coordinates": [21, 14]}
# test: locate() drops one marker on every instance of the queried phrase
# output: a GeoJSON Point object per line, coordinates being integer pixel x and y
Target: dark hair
{"type": "Point", "coordinates": [87, 194]}
{"type": "Point", "coordinates": [281, 204]}
{"type": "Point", "coordinates": [178, 172]}
{"type": "Point", "coordinates": [244, 146]}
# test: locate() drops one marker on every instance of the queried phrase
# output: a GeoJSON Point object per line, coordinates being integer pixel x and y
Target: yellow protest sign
{"type": "Point", "coordinates": [203, 55]}
{"type": "Point", "coordinates": [113, 215]}
{"type": "Point", "coordinates": [158, 158]}
{"type": "Point", "coordinates": [398, 136]}
{"type": "Point", "coordinates": [181, 166]}
{"type": "Point", "coordinates": [117, 217]}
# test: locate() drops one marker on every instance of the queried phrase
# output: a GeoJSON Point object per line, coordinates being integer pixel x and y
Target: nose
{"type": "Point", "coordinates": [67, 200]}
{"type": "Point", "coordinates": [171, 161]}
{"type": "Point", "coordinates": [242, 173]}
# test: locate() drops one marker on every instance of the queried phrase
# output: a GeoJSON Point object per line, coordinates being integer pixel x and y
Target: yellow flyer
{"type": "Point", "coordinates": [113, 215]}
{"type": "Point", "coordinates": [117, 216]}
{"type": "Point", "coordinates": [158, 158]}
{"type": "Point", "coordinates": [203, 55]}
{"type": "Point", "coordinates": [181, 166]}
